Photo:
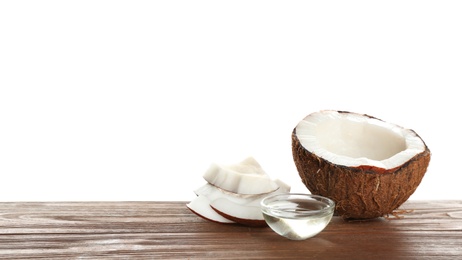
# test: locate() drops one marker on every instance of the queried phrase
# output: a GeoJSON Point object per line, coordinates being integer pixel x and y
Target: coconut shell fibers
{"type": "Point", "coordinates": [359, 192]}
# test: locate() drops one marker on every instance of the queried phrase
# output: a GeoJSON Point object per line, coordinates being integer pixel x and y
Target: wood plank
{"type": "Point", "coordinates": [168, 230]}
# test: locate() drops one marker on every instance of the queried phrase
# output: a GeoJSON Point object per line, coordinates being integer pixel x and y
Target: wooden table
{"type": "Point", "coordinates": [168, 230]}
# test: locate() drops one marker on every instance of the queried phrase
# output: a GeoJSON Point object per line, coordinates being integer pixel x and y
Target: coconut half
{"type": "Point", "coordinates": [367, 166]}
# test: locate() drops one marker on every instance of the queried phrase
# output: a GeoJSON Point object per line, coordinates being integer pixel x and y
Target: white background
{"type": "Point", "coordinates": [132, 100]}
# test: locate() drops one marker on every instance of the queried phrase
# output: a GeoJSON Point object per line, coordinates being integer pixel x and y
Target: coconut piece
{"type": "Point", "coordinates": [212, 193]}
{"type": "Point", "coordinates": [246, 177]}
{"type": "Point", "coordinates": [201, 207]}
{"type": "Point", "coordinates": [367, 166]}
{"type": "Point", "coordinates": [234, 192]}
{"type": "Point", "coordinates": [243, 209]}
{"type": "Point", "coordinates": [250, 161]}
{"type": "Point", "coordinates": [249, 215]}
{"type": "Point", "coordinates": [283, 187]}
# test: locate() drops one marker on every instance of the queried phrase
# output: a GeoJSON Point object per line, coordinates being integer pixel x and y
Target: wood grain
{"type": "Point", "coordinates": [168, 230]}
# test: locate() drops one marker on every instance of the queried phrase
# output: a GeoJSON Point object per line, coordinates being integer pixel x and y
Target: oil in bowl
{"type": "Point", "coordinates": [297, 216]}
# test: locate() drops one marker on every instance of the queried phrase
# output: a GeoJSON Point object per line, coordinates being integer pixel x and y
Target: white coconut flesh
{"type": "Point", "coordinates": [201, 206]}
{"type": "Point", "coordinates": [212, 192]}
{"type": "Point", "coordinates": [353, 140]}
{"type": "Point", "coordinates": [224, 196]}
{"type": "Point", "coordinates": [237, 211]}
{"type": "Point", "coordinates": [250, 161]}
{"type": "Point", "coordinates": [240, 207]}
{"type": "Point", "coordinates": [243, 178]}
{"type": "Point", "coordinates": [237, 207]}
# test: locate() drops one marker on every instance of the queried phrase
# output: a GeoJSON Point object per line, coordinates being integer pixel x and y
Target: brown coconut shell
{"type": "Point", "coordinates": [359, 192]}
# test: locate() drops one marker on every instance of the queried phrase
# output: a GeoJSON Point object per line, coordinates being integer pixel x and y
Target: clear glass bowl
{"type": "Point", "coordinates": [297, 216]}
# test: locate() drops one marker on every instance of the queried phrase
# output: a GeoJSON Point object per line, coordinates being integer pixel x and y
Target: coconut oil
{"type": "Point", "coordinates": [297, 219]}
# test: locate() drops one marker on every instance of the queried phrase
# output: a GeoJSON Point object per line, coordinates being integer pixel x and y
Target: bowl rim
{"type": "Point", "coordinates": [327, 209]}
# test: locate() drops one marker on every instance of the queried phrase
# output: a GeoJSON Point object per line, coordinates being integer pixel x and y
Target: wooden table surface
{"type": "Point", "coordinates": [168, 230]}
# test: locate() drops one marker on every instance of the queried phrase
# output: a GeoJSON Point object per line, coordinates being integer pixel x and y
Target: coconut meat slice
{"type": "Point", "coordinates": [283, 187]}
{"type": "Point", "coordinates": [250, 161]}
{"type": "Point", "coordinates": [212, 193]}
{"type": "Point", "coordinates": [240, 209]}
{"type": "Point", "coordinates": [243, 214]}
{"type": "Point", "coordinates": [201, 207]}
{"type": "Point", "coordinates": [240, 178]}
{"type": "Point", "coordinates": [353, 140]}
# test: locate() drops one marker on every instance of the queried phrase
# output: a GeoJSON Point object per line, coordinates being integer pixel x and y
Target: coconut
{"type": "Point", "coordinates": [369, 167]}
{"type": "Point", "coordinates": [201, 207]}
{"type": "Point", "coordinates": [239, 208]}
{"type": "Point", "coordinates": [233, 193]}
{"type": "Point", "coordinates": [246, 177]}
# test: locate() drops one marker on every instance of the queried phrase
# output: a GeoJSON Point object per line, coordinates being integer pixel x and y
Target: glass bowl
{"type": "Point", "coordinates": [297, 216]}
